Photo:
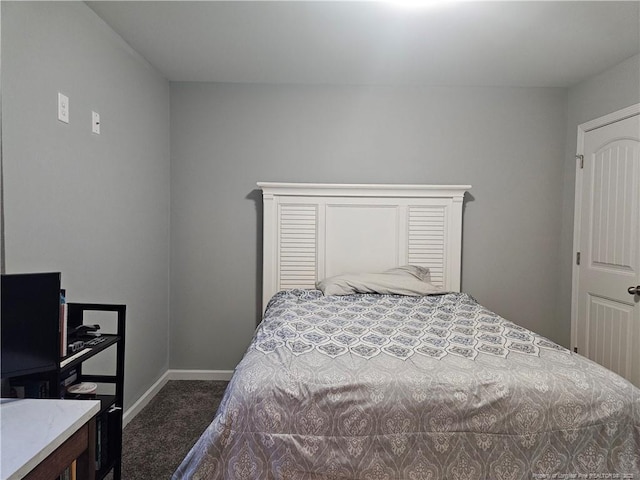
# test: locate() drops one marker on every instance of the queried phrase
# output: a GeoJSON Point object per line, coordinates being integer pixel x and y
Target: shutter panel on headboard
{"type": "Point", "coordinates": [426, 245]}
{"type": "Point", "coordinates": [298, 246]}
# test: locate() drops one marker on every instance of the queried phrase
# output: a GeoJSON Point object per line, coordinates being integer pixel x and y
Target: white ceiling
{"type": "Point", "coordinates": [509, 43]}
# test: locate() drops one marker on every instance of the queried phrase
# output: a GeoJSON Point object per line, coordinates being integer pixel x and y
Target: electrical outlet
{"type": "Point", "coordinates": [63, 108]}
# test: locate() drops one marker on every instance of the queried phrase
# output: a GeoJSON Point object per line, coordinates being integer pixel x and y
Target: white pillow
{"type": "Point", "coordinates": [421, 273]}
{"type": "Point", "coordinates": [405, 280]}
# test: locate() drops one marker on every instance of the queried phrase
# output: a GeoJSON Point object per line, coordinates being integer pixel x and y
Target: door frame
{"type": "Point", "coordinates": [583, 128]}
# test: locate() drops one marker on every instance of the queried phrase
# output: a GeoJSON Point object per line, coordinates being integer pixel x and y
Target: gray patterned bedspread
{"type": "Point", "coordinates": [390, 387]}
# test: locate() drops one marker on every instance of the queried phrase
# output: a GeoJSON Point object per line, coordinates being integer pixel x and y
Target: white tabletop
{"type": "Point", "coordinates": [31, 429]}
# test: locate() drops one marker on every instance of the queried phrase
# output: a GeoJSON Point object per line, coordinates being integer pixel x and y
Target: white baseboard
{"type": "Point", "coordinates": [144, 399]}
{"type": "Point", "coordinates": [224, 375]}
{"type": "Point", "coordinates": [170, 374]}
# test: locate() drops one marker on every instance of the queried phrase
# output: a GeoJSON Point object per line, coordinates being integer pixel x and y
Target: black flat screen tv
{"type": "Point", "coordinates": [30, 323]}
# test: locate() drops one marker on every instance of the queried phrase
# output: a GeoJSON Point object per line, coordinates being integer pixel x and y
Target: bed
{"type": "Point", "coordinates": [367, 385]}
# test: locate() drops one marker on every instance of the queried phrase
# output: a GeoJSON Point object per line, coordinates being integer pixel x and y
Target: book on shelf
{"type": "Point", "coordinates": [69, 473]}
{"type": "Point", "coordinates": [67, 378]}
{"type": "Point", "coordinates": [64, 316]}
{"type": "Point", "coordinates": [98, 443]}
{"type": "Point", "coordinates": [105, 440]}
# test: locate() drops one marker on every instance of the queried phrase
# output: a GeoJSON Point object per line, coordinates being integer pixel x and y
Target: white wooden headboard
{"type": "Point", "coordinates": [314, 231]}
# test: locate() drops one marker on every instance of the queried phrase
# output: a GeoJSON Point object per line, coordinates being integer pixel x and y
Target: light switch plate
{"type": "Point", "coordinates": [63, 108]}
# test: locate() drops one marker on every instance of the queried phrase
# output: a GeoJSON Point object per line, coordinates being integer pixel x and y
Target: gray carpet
{"type": "Point", "coordinates": [159, 437]}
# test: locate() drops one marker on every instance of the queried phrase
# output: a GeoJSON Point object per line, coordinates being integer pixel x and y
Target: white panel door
{"type": "Point", "coordinates": [608, 310]}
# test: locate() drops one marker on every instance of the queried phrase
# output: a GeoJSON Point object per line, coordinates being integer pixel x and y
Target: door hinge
{"type": "Point", "coordinates": [581, 158]}
{"type": "Point", "coordinates": [578, 258]}
{"type": "Point", "coordinates": [575, 349]}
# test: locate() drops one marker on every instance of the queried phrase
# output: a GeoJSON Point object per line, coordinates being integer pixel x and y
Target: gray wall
{"type": "Point", "coordinates": [508, 143]}
{"type": "Point", "coordinates": [94, 207]}
{"type": "Point", "coordinates": [612, 90]}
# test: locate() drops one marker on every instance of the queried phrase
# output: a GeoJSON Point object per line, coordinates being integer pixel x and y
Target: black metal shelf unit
{"type": "Point", "coordinates": [109, 419]}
